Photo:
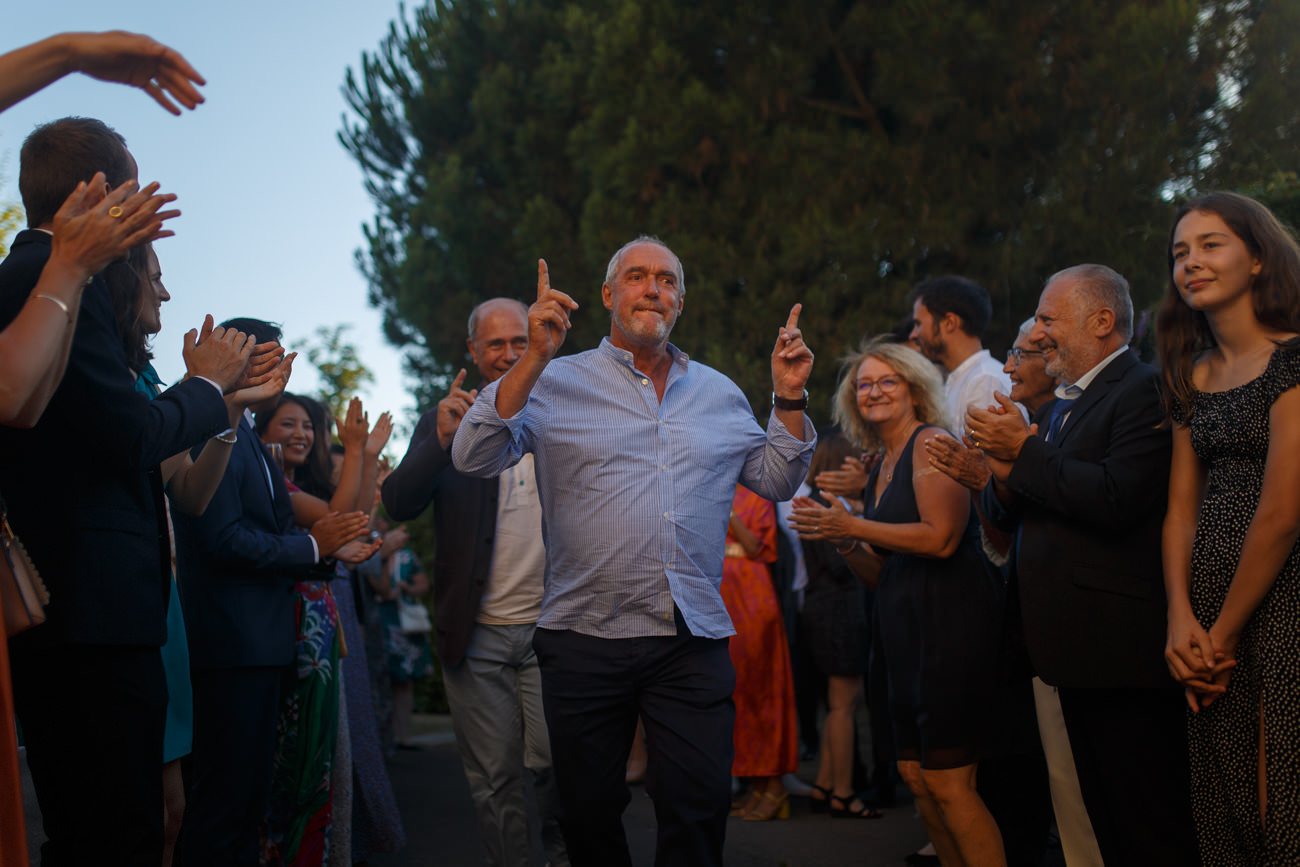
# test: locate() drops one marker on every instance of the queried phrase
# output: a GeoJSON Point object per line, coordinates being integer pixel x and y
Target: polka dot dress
{"type": "Point", "coordinates": [1230, 434]}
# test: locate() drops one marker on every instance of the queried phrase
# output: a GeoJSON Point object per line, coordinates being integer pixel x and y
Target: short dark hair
{"type": "Point", "coordinates": [959, 295]}
{"type": "Point", "coordinates": [262, 331]}
{"type": "Point", "coordinates": [62, 153]}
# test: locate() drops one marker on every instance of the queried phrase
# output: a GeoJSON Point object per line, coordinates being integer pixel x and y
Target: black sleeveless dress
{"type": "Point", "coordinates": [938, 622]}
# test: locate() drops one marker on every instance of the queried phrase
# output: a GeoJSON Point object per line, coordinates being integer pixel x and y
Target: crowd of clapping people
{"type": "Point", "coordinates": [1064, 585]}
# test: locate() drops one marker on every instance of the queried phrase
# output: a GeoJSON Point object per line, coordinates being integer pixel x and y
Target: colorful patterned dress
{"type": "Point", "coordinates": [307, 734]}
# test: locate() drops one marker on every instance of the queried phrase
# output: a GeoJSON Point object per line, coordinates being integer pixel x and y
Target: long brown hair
{"type": "Point", "coordinates": [1183, 333]}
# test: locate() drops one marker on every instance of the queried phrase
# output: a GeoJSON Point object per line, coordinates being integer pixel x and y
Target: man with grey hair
{"type": "Point", "coordinates": [1085, 494]}
{"type": "Point", "coordinates": [638, 452]}
{"type": "Point", "coordinates": [487, 584]}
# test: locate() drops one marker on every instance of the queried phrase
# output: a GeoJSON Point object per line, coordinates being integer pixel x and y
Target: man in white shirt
{"type": "Point", "coordinates": [949, 317]}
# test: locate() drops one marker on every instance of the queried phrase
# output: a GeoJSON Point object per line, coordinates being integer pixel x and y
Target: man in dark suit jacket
{"type": "Point", "coordinates": [1087, 495]}
{"type": "Point", "coordinates": [236, 565]}
{"type": "Point", "coordinates": [84, 495]}
{"type": "Point", "coordinates": [489, 667]}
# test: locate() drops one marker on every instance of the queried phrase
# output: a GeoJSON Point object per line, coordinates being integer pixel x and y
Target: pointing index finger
{"type": "Point", "coordinates": [793, 321]}
{"type": "Point", "coordinates": [460, 378]}
{"type": "Point", "coordinates": [543, 279]}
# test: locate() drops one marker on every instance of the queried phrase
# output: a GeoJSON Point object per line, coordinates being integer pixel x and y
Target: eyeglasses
{"type": "Point", "coordinates": [1015, 356]}
{"type": "Point", "coordinates": [887, 384]}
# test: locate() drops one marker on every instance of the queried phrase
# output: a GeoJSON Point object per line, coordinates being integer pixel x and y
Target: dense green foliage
{"type": "Point", "coordinates": [825, 151]}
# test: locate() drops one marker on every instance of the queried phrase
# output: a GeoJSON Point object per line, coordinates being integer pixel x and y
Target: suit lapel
{"type": "Point", "coordinates": [1095, 392]}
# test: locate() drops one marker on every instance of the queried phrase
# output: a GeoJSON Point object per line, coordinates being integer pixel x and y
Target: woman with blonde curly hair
{"type": "Point", "coordinates": [938, 598]}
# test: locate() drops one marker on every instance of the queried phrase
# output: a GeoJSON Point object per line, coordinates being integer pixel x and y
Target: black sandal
{"type": "Point", "coordinates": [845, 809]}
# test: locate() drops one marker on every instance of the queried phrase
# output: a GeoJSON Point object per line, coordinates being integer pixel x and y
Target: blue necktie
{"type": "Point", "coordinates": [1059, 412]}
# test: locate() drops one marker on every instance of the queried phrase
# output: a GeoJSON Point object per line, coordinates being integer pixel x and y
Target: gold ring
{"type": "Point", "coordinates": [115, 212]}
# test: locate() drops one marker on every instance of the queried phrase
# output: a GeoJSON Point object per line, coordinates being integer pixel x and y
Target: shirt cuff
{"type": "Point", "coordinates": [315, 549]}
{"type": "Point", "coordinates": [211, 383]}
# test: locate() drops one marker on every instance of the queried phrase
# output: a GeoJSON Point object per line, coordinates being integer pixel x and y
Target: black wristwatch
{"type": "Point", "coordinates": [798, 404]}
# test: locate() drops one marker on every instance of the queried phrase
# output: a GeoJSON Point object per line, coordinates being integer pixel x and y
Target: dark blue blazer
{"type": "Point", "coordinates": [236, 565]}
{"type": "Point", "coordinates": [1089, 507]}
{"type": "Point", "coordinates": [83, 486]}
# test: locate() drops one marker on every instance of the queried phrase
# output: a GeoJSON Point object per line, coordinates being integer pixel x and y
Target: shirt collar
{"type": "Point", "coordinates": [1076, 388]}
{"type": "Point", "coordinates": [971, 360]}
{"type": "Point", "coordinates": [680, 359]}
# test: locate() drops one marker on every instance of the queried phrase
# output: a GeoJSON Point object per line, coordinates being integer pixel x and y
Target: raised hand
{"type": "Point", "coordinates": [261, 365]}
{"type": "Point", "coordinates": [217, 354]}
{"type": "Point", "coordinates": [354, 426]}
{"type": "Point", "coordinates": [811, 520]}
{"type": "Point", "coordinates": [452, 408]}
{"type": "Point", "coordinates": [93, 228]}
{"type": "Point", "coordinates": [967, 467]}
{"type": "Point", "coordinates": [848, 481]}
{"type": "Point", "coordinates": [792, 360]}
{"type": "Point", "coordinates": [337, 529]}
{"type": "Point", "coordinates": [137, 60]}
{"type": "Point", "coordinates": [269, 385]}
{"type": "Point", "coordinates": [999, 431]}
{"type": "Point", "coordinates": [379, 434]}
{"type": "Point", "coordinates": [548, 318]}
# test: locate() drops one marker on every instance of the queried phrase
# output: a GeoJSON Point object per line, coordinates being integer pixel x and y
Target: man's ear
{"type": "Point", "coordinates": [950, 323]}
{"type": "Point", "coordinates": [607, 296]}
{"type": "Point", "coordinates": [1103, 322]}
{"type": "Point", "coordinates": [472, 355]}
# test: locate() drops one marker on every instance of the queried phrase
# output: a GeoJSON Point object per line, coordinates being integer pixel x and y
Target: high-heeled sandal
{"type": "Point", "coordinates": [845, 809]}
{"type": "Point", "coordinates": [741, 808]}
{"type": "Point", "coordinates": [770, 807]}
{"type": "Point", "coordinates": [822, 804]}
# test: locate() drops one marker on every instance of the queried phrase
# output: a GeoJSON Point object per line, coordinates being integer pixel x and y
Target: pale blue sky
{"type": "Point", "coordinates": [273, 205]}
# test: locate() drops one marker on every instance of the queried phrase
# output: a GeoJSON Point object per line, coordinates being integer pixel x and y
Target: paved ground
{"type": "Point", "coordinates": [442, 831]}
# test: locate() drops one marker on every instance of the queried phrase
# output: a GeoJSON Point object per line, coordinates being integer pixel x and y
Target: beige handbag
{"type": "Point", "coordinates": [22, 593]}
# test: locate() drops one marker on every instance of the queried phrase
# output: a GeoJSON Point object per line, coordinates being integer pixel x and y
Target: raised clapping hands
{"type": "Point", "coordinates": [337, 530]}
{"type": "Point", "coordinates": [93, 227]}
{"type": "Point", "coordinates": [218, 354]}
{"type": "Point", "coordinates": [274, 369]}
{"type": "Point", "coordinates": [378, 436]}
{"type": "Point", "coordinates": [850, 479]}
{"type": "Point", "coordinates": [999, 431]}
{"type": "Point", "coordinates": [354, 427]}
{"type": "Point", "coordinates": [966, 466]}
{"type": "Point", "coordinates": [452, 408]}
{"type": "Point", "coordinates": [792, 360]}
{"type": "Point", "coordinates": [548, 318]}
{"type": "Point", "coordinates": [811, 520]}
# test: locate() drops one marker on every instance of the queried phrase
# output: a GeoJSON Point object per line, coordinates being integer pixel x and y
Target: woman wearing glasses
{"type": "Point", "coordinates": [938, 598]}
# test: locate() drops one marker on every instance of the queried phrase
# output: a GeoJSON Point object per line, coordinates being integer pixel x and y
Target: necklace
{"type": "Point", "coordinates": [891, 465]}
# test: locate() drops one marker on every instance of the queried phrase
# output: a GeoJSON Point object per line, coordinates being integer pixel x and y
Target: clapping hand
{"type": "Point", "coordinates": [379, 435]}
{"type": "Point", "coordinates": [811, 520]}
{"type": "Point", "coordinates": [217, 354]}
{"type": "Point", "coordinates": [354, 427]}
{"type": "Point", "coordinates": [93, 228]}
{"type": "Point", "coordinates": [966, 466]}
{"type": "Point", "coordinates": [849, 480]}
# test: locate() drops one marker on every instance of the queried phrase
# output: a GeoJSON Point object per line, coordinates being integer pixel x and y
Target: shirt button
{"type": "Point", "coordinates": [664, 467]}
{"type": "Point", "coordinates": [668, 514]}
{"type": "Point", "coordinates": [645, 382]}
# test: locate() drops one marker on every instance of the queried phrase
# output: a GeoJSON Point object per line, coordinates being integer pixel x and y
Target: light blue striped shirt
{"type": "Point", "coordinates": [635, 493]}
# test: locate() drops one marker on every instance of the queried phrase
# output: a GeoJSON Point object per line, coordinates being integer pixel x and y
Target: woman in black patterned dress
{"type": "Point", "coordinates": [1229, 346]}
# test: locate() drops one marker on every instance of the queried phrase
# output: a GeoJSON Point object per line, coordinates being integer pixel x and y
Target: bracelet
{"type": "Point", "coordinates": [222, 438]}
{"type": "Point", "coordinates": [63, 305]}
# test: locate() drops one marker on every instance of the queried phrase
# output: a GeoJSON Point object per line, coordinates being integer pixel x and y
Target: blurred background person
{"type": "Point", "coordinates": [835, 622]}
{"type": "Point", "coordinates": [765, 735]}
{"type": "Point", "coordinates": [402, 582]}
